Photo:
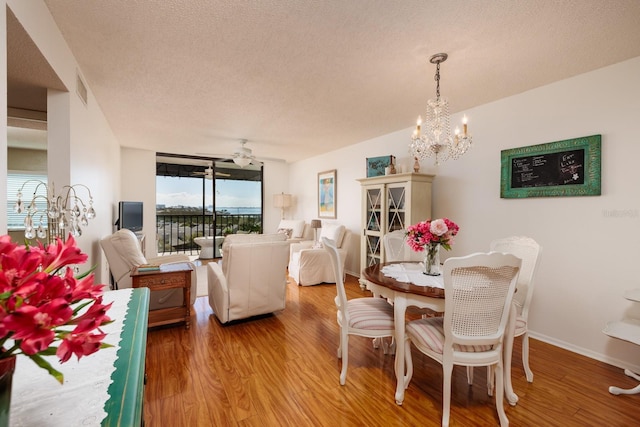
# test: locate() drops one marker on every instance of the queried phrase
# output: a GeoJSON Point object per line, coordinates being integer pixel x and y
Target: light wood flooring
{"type": "Point", "coordinates": [282, 370]}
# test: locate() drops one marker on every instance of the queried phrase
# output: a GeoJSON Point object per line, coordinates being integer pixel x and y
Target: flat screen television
{"type": "Point", "coordinates": [130, 216]}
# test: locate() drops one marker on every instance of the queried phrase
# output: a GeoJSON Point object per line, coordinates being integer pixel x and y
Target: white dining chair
{"type": "Point", "coordinates": [479, 291]}
{"type": "Point", "coordinates": [396, 248]}
{"type": "Point", "coordinates": [367, 317]}
{"type": "Point", "coordinates": [528, 250]}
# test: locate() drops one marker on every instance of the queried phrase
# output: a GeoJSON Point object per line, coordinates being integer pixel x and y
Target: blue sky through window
{"type": "Point", "coordinates": [174, 191]}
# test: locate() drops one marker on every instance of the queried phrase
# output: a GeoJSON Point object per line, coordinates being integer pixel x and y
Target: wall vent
{"type": "Point", "coordinates": [81, 89]}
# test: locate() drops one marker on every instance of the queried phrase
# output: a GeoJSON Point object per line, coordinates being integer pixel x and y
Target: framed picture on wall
{"type": "Point", "coordinates": [327, 194]}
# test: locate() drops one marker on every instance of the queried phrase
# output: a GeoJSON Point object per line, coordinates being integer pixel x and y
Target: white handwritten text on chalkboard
{"type": "Point", "coordinates": [548, 169]}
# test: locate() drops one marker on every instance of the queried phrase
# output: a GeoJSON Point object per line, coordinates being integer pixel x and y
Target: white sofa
{"type": "Point", "coordinates": [252, 277]}
{"type": "Point", "coordinates": [297, 230]}
{"type": "Point", "coordinates": [123, 253]}
{"type": "Point", "coordinates": [311, 266]}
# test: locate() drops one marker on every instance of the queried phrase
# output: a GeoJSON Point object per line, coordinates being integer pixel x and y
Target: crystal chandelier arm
{"type": "Point", "coordinates": [32, 180]}
{"type": "Point", "coordinates": [35, 190]}
{"type": "Point", "coordinates": [72, 189]}
{"type": "Point", "coordinates": [83, 186]}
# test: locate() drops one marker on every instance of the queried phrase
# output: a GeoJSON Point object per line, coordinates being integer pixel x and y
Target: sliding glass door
{"type": "Point", "coordinates": [202, 197]}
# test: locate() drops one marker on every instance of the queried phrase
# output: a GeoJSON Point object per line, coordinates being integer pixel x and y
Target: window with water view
{"type": "Point", "coordinates": [198, 197]}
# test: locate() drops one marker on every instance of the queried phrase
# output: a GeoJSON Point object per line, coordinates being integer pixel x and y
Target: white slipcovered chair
{"type": "Point", "coordinates": [309, 265]}
{"type": "Point", "coordinates": [479, 292]}
{"type": "Point", "coordinates": [252, 278]}
{"type": "Point", "coordinates": [396, 248]}
{"type": "Point", "coordinates": [123, 253]}
{"type": "Point", "coordinates": [366, 317]}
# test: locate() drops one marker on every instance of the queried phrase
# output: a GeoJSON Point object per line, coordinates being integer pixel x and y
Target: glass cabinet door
{"type": "Point", "coordinates": [372, 232]}
{"type": "Point", "coordinates": [395, 208]}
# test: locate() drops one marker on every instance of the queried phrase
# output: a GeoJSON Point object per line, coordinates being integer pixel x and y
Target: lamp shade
{"type": "Point", "coordinates": [316, 223]}
{"type": "Point", "coordinates": [281, 200]}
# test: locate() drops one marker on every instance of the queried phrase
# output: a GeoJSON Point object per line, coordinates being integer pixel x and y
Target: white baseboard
{"type": "Point", "coordinates": [583, 351]}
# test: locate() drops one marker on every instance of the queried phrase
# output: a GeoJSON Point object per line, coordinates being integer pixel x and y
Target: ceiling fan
{"type": "Point", "coordinates": [243, 156]}
{"type": "Point", "coordinates": [208, 173]}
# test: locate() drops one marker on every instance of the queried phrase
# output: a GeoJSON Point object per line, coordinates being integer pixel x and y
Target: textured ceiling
{"type": "Point", "coordinates": [28, 73]}
{"type": "Point", "coordinates": [299, 78]}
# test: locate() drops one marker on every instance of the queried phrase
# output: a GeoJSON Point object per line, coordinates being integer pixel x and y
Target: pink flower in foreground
{"type": "Point", "coordinates": [93, 318]}
{"type": "Point", "coordinates": [61, 254]}
{"type": "Point", "coordinates": [80, 345]}
{"type": "Point", "coordinates": [33, 326]}
{"type": "Point", "coordinates": [42, 303]}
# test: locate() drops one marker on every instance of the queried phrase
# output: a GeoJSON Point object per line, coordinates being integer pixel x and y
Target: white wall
{"type": "Point", "coordinates": [82, 148]}
{"type": "Point", "coordinates": [139, 185]}
{"type": "Point", "coordinates": [590, 244]}
{"type": "Point", "coordinates": [3, 115]}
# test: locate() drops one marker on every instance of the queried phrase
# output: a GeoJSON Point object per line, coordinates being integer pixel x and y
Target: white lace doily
{"type": "Point", "coordinates": [412, 272]}
{"type": "Point", "coordinates": [37, 399]}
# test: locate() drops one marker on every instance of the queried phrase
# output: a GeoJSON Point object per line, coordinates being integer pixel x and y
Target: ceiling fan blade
{"type": "Point", "coordinates": [215, 156]}
{"type": "Point", "coordinates": [243, 152]}
{"type": "Point", "coordinates": [271, 159]}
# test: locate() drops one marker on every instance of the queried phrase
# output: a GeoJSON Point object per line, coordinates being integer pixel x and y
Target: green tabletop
{"type": "Point", "coordinates": [124, 407]}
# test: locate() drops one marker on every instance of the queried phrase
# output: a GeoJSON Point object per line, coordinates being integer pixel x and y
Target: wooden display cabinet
{"type": "Point", "coordinates": [389, 203]}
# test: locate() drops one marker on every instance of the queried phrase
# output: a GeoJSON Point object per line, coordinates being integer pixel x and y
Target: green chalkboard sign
{"type": "Point", "coordinates": [564, 168]}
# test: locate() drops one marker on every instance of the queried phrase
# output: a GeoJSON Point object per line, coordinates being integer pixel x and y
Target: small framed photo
{"type": "Point", "coordinates": [327, 194]}
{"type": "Point", "coordinates": [376, 165]}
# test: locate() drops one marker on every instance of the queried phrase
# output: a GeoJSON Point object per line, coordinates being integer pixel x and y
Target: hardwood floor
{"type": "Point", "coordinates": [282, 369]}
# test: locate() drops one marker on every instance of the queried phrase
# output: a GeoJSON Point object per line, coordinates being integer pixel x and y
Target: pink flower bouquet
{"type": "Point", "coordinates": [432, 232]}
{"type": "Point", "coordinates": [43, 304]}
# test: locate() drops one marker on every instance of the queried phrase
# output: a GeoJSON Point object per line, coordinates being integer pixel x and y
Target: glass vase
{"type": "Point", "coordinates": [7, 367]}
{"type": "Point", "coordinates": [432, 260]}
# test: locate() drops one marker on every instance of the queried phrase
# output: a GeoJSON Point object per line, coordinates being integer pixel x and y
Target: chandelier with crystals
{"type": "Point", "coordinates": [433, 137]}
{"type": "Point", "coordinates": [63, 212]}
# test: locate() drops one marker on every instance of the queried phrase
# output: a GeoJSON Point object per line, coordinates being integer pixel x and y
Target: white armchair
{"type": "Point", "coordinates": [252, 278]}
{"type": "Point", "coordinates": [123, 253]}
{"type": "Point", "coordinates": [311, 266]}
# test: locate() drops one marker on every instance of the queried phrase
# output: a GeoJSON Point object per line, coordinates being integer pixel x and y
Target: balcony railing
{"type": "Point", "coordinates": [175, 233]}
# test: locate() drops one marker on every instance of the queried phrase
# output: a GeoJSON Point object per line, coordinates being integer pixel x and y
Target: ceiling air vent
{"type": "Point", "coordinates": [81, 89]}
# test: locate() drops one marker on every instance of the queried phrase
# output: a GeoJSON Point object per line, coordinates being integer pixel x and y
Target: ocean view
{"type": "Point", "coordinates": [240, 210]}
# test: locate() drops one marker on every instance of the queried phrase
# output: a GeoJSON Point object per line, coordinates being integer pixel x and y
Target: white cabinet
{"type": "Point", "coordinates": [628, 330]}
{"type": "Point", "coordinates": [389, 203]}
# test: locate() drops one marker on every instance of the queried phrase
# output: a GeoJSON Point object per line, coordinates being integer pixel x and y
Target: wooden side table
{"type": "Point", "coordinates": [168, 276]}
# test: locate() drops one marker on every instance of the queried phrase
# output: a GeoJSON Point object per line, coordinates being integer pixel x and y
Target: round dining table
{"type": "Point", "coordinates": [404, 294]}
